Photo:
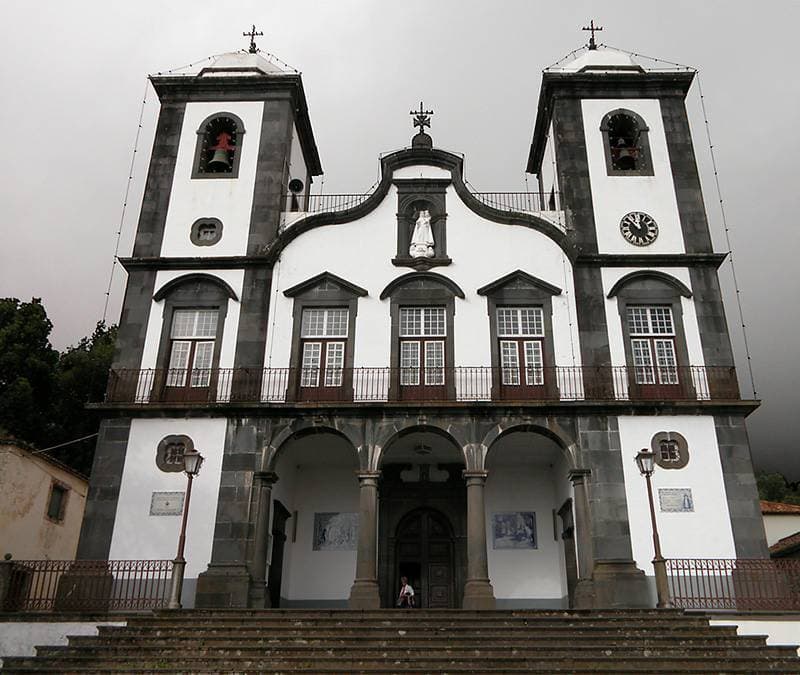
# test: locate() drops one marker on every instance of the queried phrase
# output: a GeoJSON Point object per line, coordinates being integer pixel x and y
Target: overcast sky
{"type": "Point", "coordinates": [73, 76]}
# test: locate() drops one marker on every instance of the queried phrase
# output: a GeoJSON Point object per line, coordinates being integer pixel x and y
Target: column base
{"type": "Point", "coordinates": [222, 586]}
{"type": "Point", "coordinates": [619, 584]}
{"type": "Point", "coordinates": [258, 595]}
{"type": "Point", "coordinates": [584, 594]}
{"type": "Point", "coordinates": [478, 594]}
{"type": "Point", "coordinates": [364, 595]}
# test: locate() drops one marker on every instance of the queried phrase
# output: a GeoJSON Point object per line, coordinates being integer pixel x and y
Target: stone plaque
{"type": "Point", "coordinates": [166, 503]}
{"type": "Point", "coordinates": [675, 500]}
{"type": "Point", "coordinates": [335, 531]}
{"type": "Point", "coordinates": [169, 454]}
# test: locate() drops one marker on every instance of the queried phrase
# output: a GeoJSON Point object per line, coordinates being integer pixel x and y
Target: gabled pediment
{"type": "Point", "coordinates": [519, 280]}
{"type": "Point", "coordinates": [325, 282]}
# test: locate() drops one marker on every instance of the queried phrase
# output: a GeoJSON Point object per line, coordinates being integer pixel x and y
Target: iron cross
{"type": "Point", "coordinates": [253, 35]}
{"type": "Point", "coordinates": [421, 117]}
{"type": "Point", "coordinates": [594, 29]}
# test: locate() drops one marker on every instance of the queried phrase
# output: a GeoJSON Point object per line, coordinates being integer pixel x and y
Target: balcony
{"type": "Point", "coordinates": [424, 385]}
{"type": "Point", "coordinates": [544, 204]}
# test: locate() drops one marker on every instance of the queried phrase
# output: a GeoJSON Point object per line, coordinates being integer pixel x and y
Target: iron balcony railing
{"type": "Point", "coordinates": [442, 385]}
{"type": "Point", "coordinates": [729, 584]}
{"type": "Point", "coordinates": [516, 202]}
{"type": "Point", "coordinates": [87, 585]}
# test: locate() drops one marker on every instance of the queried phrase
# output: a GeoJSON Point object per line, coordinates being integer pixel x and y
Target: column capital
{"type": "Point", "coordinates": [268, 477]}
{"type": "Point", "coordinates": [368, 478]}
{"type": "Point", "coordinates": [474, 477]}
{"type": "Point", "coordinates": [578, 476]}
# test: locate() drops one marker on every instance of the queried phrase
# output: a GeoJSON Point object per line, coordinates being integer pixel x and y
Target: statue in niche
{"type": "Point", "coordinates": [422, 238]}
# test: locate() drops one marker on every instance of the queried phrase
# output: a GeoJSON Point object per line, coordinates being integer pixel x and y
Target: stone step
{"type": "Point", "coordinates": [670, 664]}
{"type": "Point", "coordinates": [310, 652]}
{"type": "Point", "coordinates": [424, 640]}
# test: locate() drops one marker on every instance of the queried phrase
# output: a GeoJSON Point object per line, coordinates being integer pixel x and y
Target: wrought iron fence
{"type": "Point", "coordinates": [87, 585]}
{"type": "Point", "coordinates": [459, 384]}
{"type": "Point", "coordinates": [743, 585]}
{"type": "Point", "coordinates": [324, 203]}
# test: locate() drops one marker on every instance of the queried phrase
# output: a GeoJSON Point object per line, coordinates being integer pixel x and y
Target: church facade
{"type": "Point", "coordinates": [423, 381]}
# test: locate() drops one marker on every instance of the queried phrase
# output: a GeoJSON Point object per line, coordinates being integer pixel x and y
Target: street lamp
{"type": "Point", "coordinates": [645, 460]}
{"type": "Point", "coordinates": [192, 461]}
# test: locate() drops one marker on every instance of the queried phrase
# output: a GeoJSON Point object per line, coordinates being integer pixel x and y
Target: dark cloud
{"type": "Point", "coordinates": [73, 76]}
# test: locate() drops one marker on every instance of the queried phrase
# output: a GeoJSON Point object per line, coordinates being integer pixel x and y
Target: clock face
{"type": "Point", "coordinates": [638, 228]}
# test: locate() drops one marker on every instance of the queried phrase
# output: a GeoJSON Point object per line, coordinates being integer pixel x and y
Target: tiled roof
{"type": "Point", "coordinates": [778, 508]}
{"type": "Point", "coordinates": [785, 546]}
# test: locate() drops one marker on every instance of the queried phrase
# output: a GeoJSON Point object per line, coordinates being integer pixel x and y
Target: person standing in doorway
{"type": "Point", "coordinates": [406, 597]}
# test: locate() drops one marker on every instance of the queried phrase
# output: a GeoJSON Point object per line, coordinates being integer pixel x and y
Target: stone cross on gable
{"type": "Point", "coordinates": [422, 117]}
{"type": "Point", "coordinates": [594, 29]}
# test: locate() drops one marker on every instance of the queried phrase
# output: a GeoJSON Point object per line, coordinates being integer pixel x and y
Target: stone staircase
{"type": "Point", "coordinates": [413, 641]}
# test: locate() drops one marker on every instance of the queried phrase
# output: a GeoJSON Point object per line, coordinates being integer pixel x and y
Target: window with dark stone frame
{"type": "Point", "coordinates": [626, 144]}
{"type": "Point", "coordinates": [218, 150]}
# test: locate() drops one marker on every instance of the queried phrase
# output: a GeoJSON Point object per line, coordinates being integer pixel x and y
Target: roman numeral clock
{"type": "Point", "coordinates": [638, 228]}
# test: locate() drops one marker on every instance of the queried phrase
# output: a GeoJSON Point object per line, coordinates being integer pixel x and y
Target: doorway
{"type": "Point", "coordinates": [424, 545]}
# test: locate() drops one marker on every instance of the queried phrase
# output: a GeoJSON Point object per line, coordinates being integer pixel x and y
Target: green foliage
{"type": "Point", "coordinates": [773, 487]}
{"type": "Point", "coordinates": [43, 394]}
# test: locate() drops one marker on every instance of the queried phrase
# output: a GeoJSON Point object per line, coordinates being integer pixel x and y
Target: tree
{"type": "Point", "coordinates": [27, 370]}
{"type": "Point", "coordinates": [81, 376]}
{"type": "Point", "coordinates": [773, 487]}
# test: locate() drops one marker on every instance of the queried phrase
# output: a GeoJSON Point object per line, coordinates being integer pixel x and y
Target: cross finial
{"type": "Point", "coordinates": [594, 29]}
{"type": "Point", "coordinates": [421, 117]}
{"type": "Point", "coordinates": [253, 35]}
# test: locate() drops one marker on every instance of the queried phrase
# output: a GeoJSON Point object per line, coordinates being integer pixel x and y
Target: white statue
{"type": "Point", "coordinates": [422, 238]}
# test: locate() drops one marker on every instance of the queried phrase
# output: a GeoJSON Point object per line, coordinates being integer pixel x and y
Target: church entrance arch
{"type": "Point", "coordinates": [422, 518]}
{"type": "Point", "coordinates": [424, 545]}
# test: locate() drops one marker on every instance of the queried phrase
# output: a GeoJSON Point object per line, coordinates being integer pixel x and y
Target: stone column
{"type": "Point", "coordinates": [478, 591]}
{"type": "Point", "coordinates": [364, 592]}
{"type": "Point", "coordinates": [583, 522]}
{"type": "Point", "coordinates": [262, 484]}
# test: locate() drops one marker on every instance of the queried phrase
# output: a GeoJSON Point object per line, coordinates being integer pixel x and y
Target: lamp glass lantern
{"type": "Point", "coordinates": [192, 461]}
{"type": "Point", "coordinates": [645, 460]}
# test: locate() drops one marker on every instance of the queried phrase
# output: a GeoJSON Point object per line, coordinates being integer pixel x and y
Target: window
{"type": "Point", "coordinates": [626, 144]}
{"type": "Point", "coordinates": [218, 147]}
{"type": "Point", "coordinates": [422, 346]}
{"type": "Point", "coordinates": [192, 339]}
{"type": "Point", "coordinates": [669, 452]}
{"type": "Point", "coordinates": [652, 335]}
{"type": "Point", "coordinates": [56, 504]}
{"type": "Point", "coordinates": [323, 336]}
{"type": "Point", "coordinates": [520, 331]}
{"type": "Point", "coordinates": [206, 232]}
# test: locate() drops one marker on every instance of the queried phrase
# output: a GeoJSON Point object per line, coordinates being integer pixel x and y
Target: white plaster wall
{"type": "Point", "coordinates": [229, 199]}
{"type": "Point", "coordinates": [138, 535]}
{"type": "Point", "coordinates": [778, 527]}
{"type": "Point", "coordinates": [548, 170]}
{"type": "Point", "coordinates": [20, 638]}
{"type": "Point", "coordinates": [525, 573]}
{"type": "Point", "coordinates": [614, 196]}
{"type": "Point", "coordinates": [309, 574]}
{"type": "Point", "coordinates": [361, 252]}
{"type": "Point", "coordinates": [694, 347]}
{"type": "Point", "coordinates": [234, 278]}
{"type": "Point", "coordinates": [704, 533]}
{"type": "Point", "coordinates": [422, 171]}
{"type": "Point", "coordinates": [779, 630]}
{"type": "Point", "coordinates": [297, 161]}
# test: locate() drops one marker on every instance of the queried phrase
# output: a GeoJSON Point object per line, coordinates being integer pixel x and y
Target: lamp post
{"type": "Point", "coordinates": [645, 460]}
{"type": "Point", "coordinates": [192, 461]}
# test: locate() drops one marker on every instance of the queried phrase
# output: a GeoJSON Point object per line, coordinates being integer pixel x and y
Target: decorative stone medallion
{"type": "Point", "coordinates": [671, 450]}
{"type": "Point", "coordinates": [169, 454]}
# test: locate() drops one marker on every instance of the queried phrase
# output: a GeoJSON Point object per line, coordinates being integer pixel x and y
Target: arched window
{"type": "Point", "coordinates": [627, 149]}
{"type": "Point", "coordinates": [219, 141]}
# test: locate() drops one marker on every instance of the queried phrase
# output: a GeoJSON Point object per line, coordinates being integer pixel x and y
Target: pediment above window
{"type": "Point", "coordinates": [423, 283]}
{"type": "Point", "coordinates": [650, 281]}
{"type": "Point", "coordinates": [325, 284]}
{"type": "Point", "coordinates": [519, 281]}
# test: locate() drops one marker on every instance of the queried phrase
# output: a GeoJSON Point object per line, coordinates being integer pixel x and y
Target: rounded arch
{"type": "Point", "coordinates": [177, 282]}
{"type": "Point", "coordinates": [430, 277]}
{"type": "Point", "coordinates": [300, 429]}
{"type": "Point", "coordinates": [654, 275]}
{"type": "Point", "coordinates": [218, 115]}
{"type": "Point", "coordinates": [396, 433]}
{"type": "Point", "coordinates": [417, 512]}
{"type": "Point", "coordinates": [641, 124]}
{"type": "Point", "coordinates": [565, 443]}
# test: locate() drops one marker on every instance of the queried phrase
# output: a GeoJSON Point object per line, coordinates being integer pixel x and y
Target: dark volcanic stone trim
{"type": "Point", "coordinates": [101, 500]}
{"type": "Point", "coordinates": [711, 321]}
{"type": "Point", "coordinates": [651, 260]}
{"type": "Point", "coordinates": [134, 318]}
{"type": "Point", "coordinates": [187, 263]}
{"type": "Point", "coordinates": [319, 280]}
{"type": "Point", "coordinates": [747, 522]}
{"type": "Point", "coordinates": [174, 284]}
{"type": "Point", "coordinates": [158, 188]}
{"type": "Point", "coordinates": [591, 317]}
{"type": "Point", "coordinates": [251, 339]}
{"type": "Point", "coordinates": [691, 209]}
{"type": "Point", "coordinates": [654, 275]}
{"type": "Point", "coordinates": [416, 278]}
{"type": "Point", "coordinates": [519, 276]}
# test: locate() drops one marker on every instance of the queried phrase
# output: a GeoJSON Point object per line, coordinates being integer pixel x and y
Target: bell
{"type": "Point", "coordinates": [219, 160]}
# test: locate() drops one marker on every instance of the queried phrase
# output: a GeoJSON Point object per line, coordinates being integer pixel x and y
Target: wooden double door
{"type": "Point", "coordinates": [424, 554]}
